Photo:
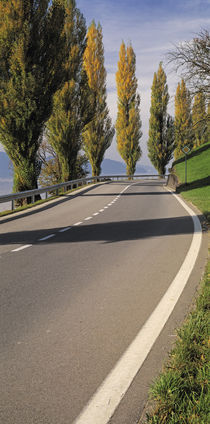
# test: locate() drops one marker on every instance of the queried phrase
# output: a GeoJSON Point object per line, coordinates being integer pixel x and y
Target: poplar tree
{"type": "Point", "coordinates": [208, 121]}
{"type": "Point", "coordinates": [183, 119]}
{"type": "Point", "coordinates": [161, 125]}
{"type": "Point", "coordinates": [128, 124]}
{"type": "Point", "coordinates": [66, 122]}
{"type": "Point", "coordinates": [199, 119]}
{"type": "Point", "coordinates": [31, 56]}
{"type": "Point", "coordinates": [98, 133]}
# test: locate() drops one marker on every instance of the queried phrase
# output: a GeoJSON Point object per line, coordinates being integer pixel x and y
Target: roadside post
{"type": "Point", "coordinates": [186, 150]}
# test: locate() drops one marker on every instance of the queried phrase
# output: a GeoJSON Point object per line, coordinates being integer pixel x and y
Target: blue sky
{"type": "Point", "coordinates": [152, 26]}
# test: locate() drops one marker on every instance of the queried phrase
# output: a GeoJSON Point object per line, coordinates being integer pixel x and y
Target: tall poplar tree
{"type": "Point", "coordinates": [31, 56]}
{"type": "Point", "coordinates": [199, 119]}
{"type": "Point", "coordinates": [128, 124]}
{"type": "Point", "coordinates": [67, 120]}
{"type": "Point", "coordinates": [161, 125]}
{"type": "Point", "coordinates": [183, 119]}
{"type": "Point", "coordinates": [98, 133]}
{"type": "Point", "coordinates": [208, 121]}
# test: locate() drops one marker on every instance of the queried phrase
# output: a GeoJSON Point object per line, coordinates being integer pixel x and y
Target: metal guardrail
{"type": "Point", "coordinates": [69, 185]}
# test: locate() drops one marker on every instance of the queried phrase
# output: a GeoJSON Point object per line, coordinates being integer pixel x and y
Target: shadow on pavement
{"type": "Point", "coordinates": [111, 232]}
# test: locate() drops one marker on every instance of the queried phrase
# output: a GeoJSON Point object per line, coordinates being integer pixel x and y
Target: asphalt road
{"type": "Point", "coordinates": [79, 278]}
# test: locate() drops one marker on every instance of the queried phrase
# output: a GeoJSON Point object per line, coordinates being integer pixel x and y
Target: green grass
{"type": "Point", "coordinates": [181, 393]}
{"type": "Point", "coordinates": [197, 189]}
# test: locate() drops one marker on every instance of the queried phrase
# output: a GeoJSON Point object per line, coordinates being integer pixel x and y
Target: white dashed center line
{"type": "Point", "coordinates": [64, 229]}
{"type": "Point", "coordinates": [46, 237]}
{"type": "Point", "coordinates": [22, 247]}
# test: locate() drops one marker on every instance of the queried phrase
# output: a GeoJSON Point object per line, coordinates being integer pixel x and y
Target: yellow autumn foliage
{"type": "Point", "coordinates": [93, 60]}
{"type": "Point", "coordinates": [183, 120]}
{"type": "Point", "coordinates": [98, 133]}
{"type": "Point", "coordinates": [128, 122]}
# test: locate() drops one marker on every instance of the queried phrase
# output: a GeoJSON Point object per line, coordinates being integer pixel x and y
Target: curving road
{"type": "Point", "coordinates": [79, 278]}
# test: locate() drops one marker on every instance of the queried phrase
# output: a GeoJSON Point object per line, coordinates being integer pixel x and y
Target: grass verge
{"type": "Point", "coordinates": [181, 393]}
{"type": "Point", "coordinates": [197, 189]}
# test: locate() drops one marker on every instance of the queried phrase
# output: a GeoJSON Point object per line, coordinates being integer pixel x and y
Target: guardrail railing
{"type": "Point", "coordinates": [69, 185]}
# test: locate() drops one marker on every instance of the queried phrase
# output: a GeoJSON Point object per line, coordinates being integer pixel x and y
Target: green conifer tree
{"type": "Point", "coordinates": [161, 125]}
{"type": "Point", "coordinates": [31, 56]}
{"type": "Point", "coordinates": [98, 133]}
{"type": "Point", "coordinates": [128, 124]}
{"type": "Point", "coordinates": [183, 119]}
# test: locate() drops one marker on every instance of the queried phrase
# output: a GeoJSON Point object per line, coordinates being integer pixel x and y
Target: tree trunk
{"type": "Point", "coordinates": [25, 178]}
{"type": "Point", "coordinates": [96, 170]}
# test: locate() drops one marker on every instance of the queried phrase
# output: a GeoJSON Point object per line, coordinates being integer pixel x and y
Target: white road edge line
{"type": "Point", "coordinates": [46, 237]}
{"type": "Point", "coordinates": [21, 248]}
{"type": "Point", "coordinates": [88, 217]}
{"type": "Point", "coordinates": [77, 223]}
{"type": "Point", "coordinates": [102, 405]}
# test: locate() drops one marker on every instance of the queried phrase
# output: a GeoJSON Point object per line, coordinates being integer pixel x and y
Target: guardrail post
{"type": "Point", "coordinates": [32, 198]}
{"type": "Point", "coordinates": [13, 205]}
{"type": "Point", "coordinates": [46, 195]}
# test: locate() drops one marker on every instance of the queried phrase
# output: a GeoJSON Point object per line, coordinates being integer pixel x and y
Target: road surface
{"type": "Point", "coordinates": [79, 278]}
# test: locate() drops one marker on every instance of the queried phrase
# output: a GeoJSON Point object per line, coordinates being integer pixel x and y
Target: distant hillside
{"type": "Point", "coordinates": [114, 167]}
{"type": "Point", "coordinates": [109, 167]}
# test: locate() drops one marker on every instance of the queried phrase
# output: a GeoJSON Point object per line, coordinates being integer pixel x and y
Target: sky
{"type": "Point", "coordinates": [152, 27]}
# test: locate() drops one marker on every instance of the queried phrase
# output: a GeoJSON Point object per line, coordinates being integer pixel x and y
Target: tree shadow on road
{"type": "Point", "coordinates": [109, 232]}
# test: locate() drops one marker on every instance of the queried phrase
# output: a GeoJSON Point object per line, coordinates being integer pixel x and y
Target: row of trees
{"type": "Point", "coordinates": [52, 90]}
{"type": "Point", "coordinates": [53, 98]}
{"type": "Point", "coordinates": [167, 136]}
{"type": "Point", "coordinates": [53, 94]}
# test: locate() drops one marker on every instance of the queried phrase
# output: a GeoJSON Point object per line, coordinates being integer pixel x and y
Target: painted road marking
{"type": "Point", "coordinates": [46, 237]}
{"type": "Point", "coordinates": [21, 248]}
{"type": "Point", "coordinates": [108, 396]}
{"type": "Point", "coordinates": [64, 229]}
